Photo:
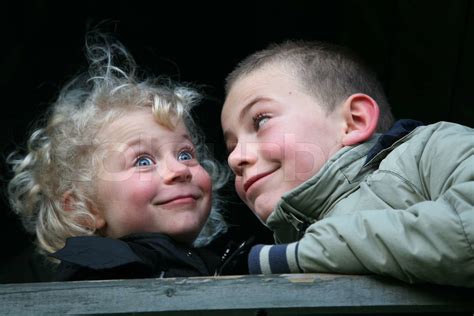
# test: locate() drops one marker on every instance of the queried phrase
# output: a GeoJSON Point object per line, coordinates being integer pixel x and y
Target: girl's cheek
{"type": "Point", "coordinates": [202, 179]}
{"type": "Point", "coordinates": [143, 187]}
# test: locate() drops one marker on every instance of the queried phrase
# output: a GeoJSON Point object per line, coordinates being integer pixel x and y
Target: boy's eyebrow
{"type": "Point", "coordinates": [249, 105]}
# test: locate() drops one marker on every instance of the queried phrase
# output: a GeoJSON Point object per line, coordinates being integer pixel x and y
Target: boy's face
{"type": "Point", "coordinates": [277, 135]}
{"type": "Point", "coordinates": [150, 181]}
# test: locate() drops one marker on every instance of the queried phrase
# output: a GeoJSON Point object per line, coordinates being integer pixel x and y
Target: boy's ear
{"type": "Point", "coordinates": [361, 114]}
{"type": "Point", "coordinates": [68, 202]}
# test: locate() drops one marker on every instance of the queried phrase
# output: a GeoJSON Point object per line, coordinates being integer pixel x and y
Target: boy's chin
{"type": "Point", "coordinates": [262, 207]}
{"type": "Point", "coordinates": [262, 214]}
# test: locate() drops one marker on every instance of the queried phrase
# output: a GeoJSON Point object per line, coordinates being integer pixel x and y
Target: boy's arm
{"type": "Point", "coordinates": [431, 241]}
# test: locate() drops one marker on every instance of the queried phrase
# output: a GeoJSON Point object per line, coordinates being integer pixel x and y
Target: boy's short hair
{"type": "Point", "coordinates": [328, 72]}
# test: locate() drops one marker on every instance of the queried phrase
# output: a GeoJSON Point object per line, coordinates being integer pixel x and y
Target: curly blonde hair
{"type": "Point", "coordinates": [58, 156]}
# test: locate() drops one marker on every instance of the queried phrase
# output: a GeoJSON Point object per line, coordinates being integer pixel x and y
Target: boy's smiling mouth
{"type": "Point", "coordinates": [254, 179]}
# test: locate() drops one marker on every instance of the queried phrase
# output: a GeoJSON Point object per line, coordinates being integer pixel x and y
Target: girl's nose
{"type": "Point", "coordinates": [176, 171]}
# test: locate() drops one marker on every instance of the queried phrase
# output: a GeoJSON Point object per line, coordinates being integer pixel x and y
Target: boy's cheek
{"type": "Point", "coordinates": [271, 150]}
{"type": "Point", "coordinates": [303, 160]}
{"type": "Point", "coordinates": [239, 188]}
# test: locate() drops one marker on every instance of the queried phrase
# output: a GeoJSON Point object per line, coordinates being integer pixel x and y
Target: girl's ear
{"type": "Point", "coordinates": [361, 114]}
{"type": "Point", "coordinates": [68, 202]}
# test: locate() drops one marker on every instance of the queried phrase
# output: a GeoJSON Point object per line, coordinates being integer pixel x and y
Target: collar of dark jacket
{"type": "Point", "coordinates": [96, 252]}
{"type": "Point", "coordinates": [400, 129]}
{"type": "Point", "coordinates": [147, 249]}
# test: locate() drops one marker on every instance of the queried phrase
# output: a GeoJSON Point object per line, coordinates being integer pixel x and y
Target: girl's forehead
{"type": "Point", "coordinates": [141, 124]}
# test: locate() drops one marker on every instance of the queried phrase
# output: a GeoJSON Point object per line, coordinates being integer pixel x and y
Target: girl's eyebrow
{"type": "Point", "coordinates": [187, 137]}
{"type": "Point", "coordinates": [136, 143]}
{"type": "Point", "coordinates": [139, 141]}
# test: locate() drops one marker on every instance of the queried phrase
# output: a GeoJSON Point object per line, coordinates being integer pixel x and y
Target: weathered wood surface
{"type": "Point", "coordinates": [295, 294]}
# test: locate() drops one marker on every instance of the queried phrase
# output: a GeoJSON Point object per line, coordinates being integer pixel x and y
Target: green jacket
{"type": "Point", "coordinates": [407, 213]}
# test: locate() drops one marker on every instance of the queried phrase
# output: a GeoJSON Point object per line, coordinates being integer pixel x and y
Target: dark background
{"type": "Point", "coordinates": [422, 51]}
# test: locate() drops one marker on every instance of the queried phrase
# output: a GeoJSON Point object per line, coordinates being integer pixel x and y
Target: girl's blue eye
{"type": "Point", "coordinates": [185, 155]}
{"type": "Point", "coordinates": [144, 161]}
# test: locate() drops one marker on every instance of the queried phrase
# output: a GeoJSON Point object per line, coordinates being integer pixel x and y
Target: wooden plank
{"type": "Point", "coordinates": [236, 295]}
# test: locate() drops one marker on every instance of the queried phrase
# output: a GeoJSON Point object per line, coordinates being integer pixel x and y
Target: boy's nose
{"type": "Point", "coordinates": [242, 156]}
{"type": "Point", "coordinates": [176, 171]}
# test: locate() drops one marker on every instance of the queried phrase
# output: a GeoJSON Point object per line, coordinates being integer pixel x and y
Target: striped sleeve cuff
{"type": "Point", "coordinates": [274, 259]}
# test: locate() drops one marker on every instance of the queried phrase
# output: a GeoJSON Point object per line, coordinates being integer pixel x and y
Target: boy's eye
{"type": "Point", "coordinates": [259, 120]}
{"type": "Point", "coordinates": [185, 155]}
{"type": "Point", "coordinates": [231, 147]}
{"type": "Point", "coordinates": [144, 161]}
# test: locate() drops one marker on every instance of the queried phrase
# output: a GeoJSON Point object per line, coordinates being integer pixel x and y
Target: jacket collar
{"type": "Point", "coordinates": [398, 130]}
{"type": "Point", "coordinates": [340, 176]}
{"type": "Point", "coordinates": [95, 252]}
{"type": "Point", "coordinates": [312, 199]}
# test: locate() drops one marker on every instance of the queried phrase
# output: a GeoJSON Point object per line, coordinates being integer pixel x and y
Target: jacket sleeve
{"type": "Point", "coordinates": [430, 241]}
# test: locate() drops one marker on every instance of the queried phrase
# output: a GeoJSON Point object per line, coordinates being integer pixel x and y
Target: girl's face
{"type": "Point", "coordinates": [149, 180]}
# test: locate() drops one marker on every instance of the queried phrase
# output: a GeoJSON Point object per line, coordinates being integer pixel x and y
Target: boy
{"type": "Point", "coordinates": [301, 123]}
